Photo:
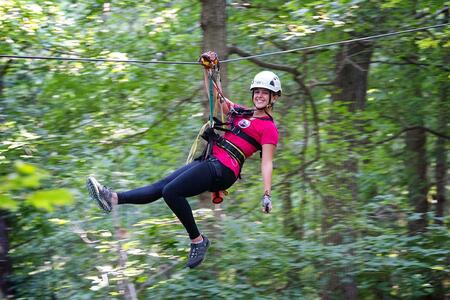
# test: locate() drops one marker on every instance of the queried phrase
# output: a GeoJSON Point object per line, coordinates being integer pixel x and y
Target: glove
{"type": "Point", "coordinates": [266, 203]}
{"type": "Point", "coordinates": [209, 59]}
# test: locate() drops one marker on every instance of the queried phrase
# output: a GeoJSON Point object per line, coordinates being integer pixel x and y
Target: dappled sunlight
{"type": "Point", "coordinates": [117, 90]}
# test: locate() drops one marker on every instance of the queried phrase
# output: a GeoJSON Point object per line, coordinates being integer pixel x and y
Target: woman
{"type": "Point", "coordinates": [249, 131]}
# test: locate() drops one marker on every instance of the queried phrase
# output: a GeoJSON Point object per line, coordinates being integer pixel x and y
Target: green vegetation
{"type": "Point", "coordinates": [360, 174]}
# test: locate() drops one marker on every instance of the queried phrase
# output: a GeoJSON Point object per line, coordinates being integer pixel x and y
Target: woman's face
{"type": "Point", "coordinates": [261, 98]}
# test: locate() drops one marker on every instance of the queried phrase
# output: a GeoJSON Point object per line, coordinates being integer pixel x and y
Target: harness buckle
{"type": "Point", "coordinates": [236, 130]}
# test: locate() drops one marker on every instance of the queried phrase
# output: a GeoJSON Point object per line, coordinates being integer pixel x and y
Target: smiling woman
{"type": "Point", "coordinates": [246, 131]}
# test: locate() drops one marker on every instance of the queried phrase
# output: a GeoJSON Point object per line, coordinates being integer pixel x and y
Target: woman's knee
{"type": "Point", "coordinates": [169, 193]}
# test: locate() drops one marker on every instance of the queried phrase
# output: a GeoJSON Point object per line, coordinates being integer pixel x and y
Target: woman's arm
{"type": "Point", "coordinates": [226, 105]}
{"type": "Point", "coordinates": [268, 152]}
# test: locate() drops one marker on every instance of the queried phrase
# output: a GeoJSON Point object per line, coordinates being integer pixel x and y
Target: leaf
{"type": "Point", "coordinates": [129, 272]}
{"type": "Point", "coordinates": [59, 221]}
{"type": "Point", "coordinates": [48, 199]}
{"type": "Point", "coordinates": [428, 43]}
{"type": "Point", "coordinates": [7, 203]}
{"type": "Point", "coordinates": [438, 268]}
{"type": "Point", "coordinates": [24, 168]}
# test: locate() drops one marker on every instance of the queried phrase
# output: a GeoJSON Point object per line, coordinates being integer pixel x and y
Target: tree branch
{"type": "Point", "coordinates": [3, 70]}
{"type": "Point", "coordinates": [413, 128]}
{"type": "Point", "coordinates": [314, 83]}
{"type": "Point", "coordinates": [235, 50]}
{"type": "Point", "coordinates": [408, 62]}
{"type": "Point", "coordinates": [246, 5]}
{"type": "Point", "coordinates": [165, 269]}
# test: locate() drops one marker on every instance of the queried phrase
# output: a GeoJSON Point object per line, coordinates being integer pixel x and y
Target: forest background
{"type": "Point", "coordinates": [360, 173]}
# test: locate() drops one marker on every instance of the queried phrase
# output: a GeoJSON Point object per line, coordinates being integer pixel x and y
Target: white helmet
{"type": "Point", "coordinates": [267, 80]}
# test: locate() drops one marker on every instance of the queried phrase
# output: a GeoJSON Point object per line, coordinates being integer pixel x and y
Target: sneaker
{"type": "Point", "coordinates": [100, 193]}
{"type": "Point", "coordinates": [198, 253]}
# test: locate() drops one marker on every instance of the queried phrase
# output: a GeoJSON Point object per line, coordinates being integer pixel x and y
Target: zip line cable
{"type": "Point", "coordinates": [336, 43]}
{"type": "Point", "coordinates": [131, 61]}
{"type": "Point", "coordinates": [137, 61]}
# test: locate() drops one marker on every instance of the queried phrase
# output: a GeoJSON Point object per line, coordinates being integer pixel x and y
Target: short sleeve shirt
{"type": "Point", "coordinates": [263, 130]}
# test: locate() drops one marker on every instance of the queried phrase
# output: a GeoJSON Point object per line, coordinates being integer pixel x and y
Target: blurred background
{"type": "Point", "coordinates": [361, 175]}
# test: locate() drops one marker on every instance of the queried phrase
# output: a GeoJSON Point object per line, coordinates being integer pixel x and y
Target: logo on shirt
{"type": "Point", "coordinates": [244, 123]}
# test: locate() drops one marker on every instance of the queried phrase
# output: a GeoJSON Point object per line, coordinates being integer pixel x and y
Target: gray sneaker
{"type": "Point", "coordinates": [198, 253]}
{"type": "Point", "coordinates": [100, 193]}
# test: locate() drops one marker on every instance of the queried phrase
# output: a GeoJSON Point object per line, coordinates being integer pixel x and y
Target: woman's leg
{"type": "Point", "coordinates": [152, 192]}
{"type": "Point", "coordinates": [187, 181]}
{"type": "Point", "coordinates": [191, 182]}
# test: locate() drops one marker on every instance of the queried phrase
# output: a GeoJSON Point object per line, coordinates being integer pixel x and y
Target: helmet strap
{"type": "Point", "coordinates": [270, 101]}
{"type": "Point", "coordinates": [270, 116]}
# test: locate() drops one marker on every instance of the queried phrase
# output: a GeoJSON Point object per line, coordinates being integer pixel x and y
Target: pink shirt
{"type": "Point", "coordinates": [262, 130]}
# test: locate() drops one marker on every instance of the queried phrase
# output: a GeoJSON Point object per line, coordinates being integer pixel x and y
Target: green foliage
{"type": "Point", "coordinates": [132, 124]}
{"type": "Point", "coordinates": [26, 178]}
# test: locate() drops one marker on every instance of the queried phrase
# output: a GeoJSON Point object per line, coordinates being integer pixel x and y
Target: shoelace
{"type": "Point", "coordinates": [106, 193]}
{"type": "Point", "coordinates": [194, 251]}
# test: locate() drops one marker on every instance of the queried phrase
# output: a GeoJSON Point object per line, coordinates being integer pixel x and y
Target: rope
{"type": "Point", "coordinates": [211, 100]}
{"type": "Point", "coordinates": [210, 69]}
{"type": "Point", "coordinates": [133, 61]}
{"type": "Point", "coordinates": [194, 146]}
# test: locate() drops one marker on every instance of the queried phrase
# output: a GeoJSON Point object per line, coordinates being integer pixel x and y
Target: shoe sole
{"type": "Point", "coordinates": [92, 186]}
{"type": "Point", "coordinates": [197, 264]}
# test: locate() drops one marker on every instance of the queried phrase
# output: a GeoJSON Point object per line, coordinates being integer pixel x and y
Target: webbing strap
{"type": "Point", "coordinates": [211, 100]}
{"type": "Point", "coordinates": [232, 149]}
{"type": "Point", "coordinates": [212, 137]}
{"type": "Point", "coordinates": [237, 131]}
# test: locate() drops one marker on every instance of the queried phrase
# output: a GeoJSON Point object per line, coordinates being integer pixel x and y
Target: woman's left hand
{"type": "Point", "coordinates": [266, 203]}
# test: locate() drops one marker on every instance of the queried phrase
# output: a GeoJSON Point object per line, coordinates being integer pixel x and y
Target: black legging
{"type": "Point", "coordinates": [189, 180]}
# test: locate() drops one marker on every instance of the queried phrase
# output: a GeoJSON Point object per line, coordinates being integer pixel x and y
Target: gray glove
{"type": "Point", "coordinates": [266, 203]}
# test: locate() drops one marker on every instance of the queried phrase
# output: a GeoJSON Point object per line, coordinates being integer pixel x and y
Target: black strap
{"type": "Point", "coordinates": [240, 111]}
{"type": "Point", "coordinates": [232, 149]}
{"type": "Point", "coordinates": [212, 137]}
{"type": "Point", "coordinates": [237, 131]}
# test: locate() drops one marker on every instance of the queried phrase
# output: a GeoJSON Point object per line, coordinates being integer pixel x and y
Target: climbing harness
{"type": "Point", "coordinates": [231, 148]}
{"type": "Point", "coordinates": [208, 132]}
{"type": "Point", "coordinates": [210, 62]}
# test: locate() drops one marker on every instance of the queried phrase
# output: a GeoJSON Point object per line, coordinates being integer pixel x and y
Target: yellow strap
{"type": "Point", "coordinates": [194, 146]}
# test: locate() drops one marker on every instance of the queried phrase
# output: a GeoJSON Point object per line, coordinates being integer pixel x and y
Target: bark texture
{"type": "Point", "coordinates": [214, 25]}
{"type": "Point", "coordinates": [5, 263]}
{"type": "Point", "coordinates": [352, 69]}
{"type": "Point", "coordinates": [440, 148]}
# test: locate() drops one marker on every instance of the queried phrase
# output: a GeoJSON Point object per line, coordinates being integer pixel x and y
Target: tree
{"type": "Point", "coordinates": [341, 191]}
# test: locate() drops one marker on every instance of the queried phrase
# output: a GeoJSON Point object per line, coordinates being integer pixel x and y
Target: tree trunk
{"type": "Point", "coordinates": [213, 23]}
{"type": "Point", "coordinates": [416, 169]}
{"type": "Point", "coordinates": [5, 263]}
{"type": "Point", "coordinates": [352, 61]}
{"type": "Point", "coordinates": [3, 70]}
{"type": "Point", "coordinates": [440, 148]}
{"type": "Point", "coordinates": [214, 26]}
{"type": "Point", "coordinates": [415, 151]}
{"type": "Point", "coordinates": [441, 161]}
{"type": "Point", "coordinates": [288, 217]}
